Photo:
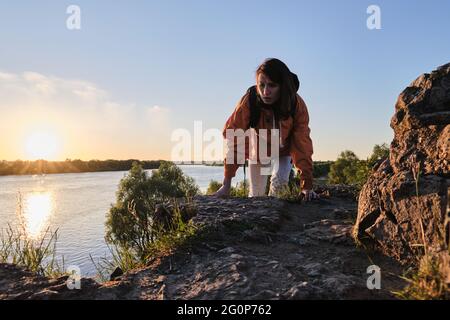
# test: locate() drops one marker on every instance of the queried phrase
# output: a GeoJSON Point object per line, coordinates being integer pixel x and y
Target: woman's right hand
{"type": "Point", "coordinates": [224, 190]}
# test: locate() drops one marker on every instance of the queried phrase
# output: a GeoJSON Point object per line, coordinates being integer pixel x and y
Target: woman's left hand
{"type": "Point", "coordinates": [310, 195]}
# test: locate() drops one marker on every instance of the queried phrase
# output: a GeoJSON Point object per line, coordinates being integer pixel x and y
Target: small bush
{"type": "Point", "coordinates": [170, 238]}
{"type": "Point", "coordinates": [134, 223]}
{"type": "Point", "coordinates": [240, 190]}
{"type": "Point", "coordinates": [169, 181]}
{"type": "Point", "coordinates": [213, 187]}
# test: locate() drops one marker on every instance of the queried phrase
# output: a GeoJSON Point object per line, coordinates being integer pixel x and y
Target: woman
{"type": "Point", "coordinates": [272, 104]}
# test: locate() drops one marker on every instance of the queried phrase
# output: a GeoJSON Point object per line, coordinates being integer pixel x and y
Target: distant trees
{"type": "Point", "coordinates": [379, 152]}
{"type": "Point", "coordinates": [20, 167]}
{"type": "Point", "coordinates": [321, 168]}
{"type": "Point", "coordinates": [348, 169]}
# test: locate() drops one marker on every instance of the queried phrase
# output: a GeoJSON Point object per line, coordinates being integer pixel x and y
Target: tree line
{"type": "Point", "coordinates": [20, 167]}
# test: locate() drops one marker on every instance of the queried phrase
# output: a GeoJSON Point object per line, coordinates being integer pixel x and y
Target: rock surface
{"type": "Point", "coordinates": [257, 248]}
{"type": "Point", "coordinates": [403, 207]}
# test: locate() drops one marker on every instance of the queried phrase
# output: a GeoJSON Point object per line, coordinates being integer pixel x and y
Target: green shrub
{"type": "Point", "coordinates": [321, 168]}
{"type": "Point", "coordinates": [213, 187]}
{"type": "Point", "coordinates": [164, 240]}
{"type": "Point", "coordinates": [240, 190]}
{"type": "Point", "coordinates": [169, 181]}
{"type": "Point", "coordinates": [131, 222]}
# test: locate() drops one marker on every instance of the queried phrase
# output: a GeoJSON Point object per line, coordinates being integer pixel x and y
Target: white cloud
{"type": "Point", "coordinates": [87, 91]}
{"type": "Point", "coordinates": [40, 83]}
{"type": "Point", "coordinates": [157, 110]}
{"type": "Point", "coordinates": [7, 76]}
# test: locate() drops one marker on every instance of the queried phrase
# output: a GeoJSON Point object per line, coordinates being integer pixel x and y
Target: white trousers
{"type": "Point", "coordinates": [279, 177]}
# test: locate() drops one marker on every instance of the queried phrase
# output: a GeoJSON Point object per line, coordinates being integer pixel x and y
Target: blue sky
{"type": "Point", "coordinates": [193, 60]}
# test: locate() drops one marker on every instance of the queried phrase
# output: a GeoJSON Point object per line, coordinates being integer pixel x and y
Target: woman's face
{"type": "Point", "coordinates": [268, 90]}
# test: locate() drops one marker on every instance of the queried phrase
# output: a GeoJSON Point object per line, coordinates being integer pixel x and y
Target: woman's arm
{"type": "Point", "coordinates": [301, 147]}
{"type": "Point", "coordinates": [239, 119]}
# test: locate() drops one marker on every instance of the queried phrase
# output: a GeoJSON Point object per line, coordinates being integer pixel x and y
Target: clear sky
{"type": "Point", "coordinates": [137, 70]}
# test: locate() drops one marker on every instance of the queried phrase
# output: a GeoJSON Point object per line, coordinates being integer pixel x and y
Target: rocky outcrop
{"type": "Point", "coordinates": [402, 208]}
{"type": "Point", "coordinates": [256, 248]}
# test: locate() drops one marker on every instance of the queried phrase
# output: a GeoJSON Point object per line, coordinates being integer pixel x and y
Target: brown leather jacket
{"type": "Point", "coordinates": [294, 136]}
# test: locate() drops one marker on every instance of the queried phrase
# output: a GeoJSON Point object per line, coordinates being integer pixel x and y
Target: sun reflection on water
{"type": "Point", "coordinates": [34, 212]}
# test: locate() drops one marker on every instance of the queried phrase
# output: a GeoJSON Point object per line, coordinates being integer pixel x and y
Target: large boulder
{"type": "Point", "coordinates": [402, 208]}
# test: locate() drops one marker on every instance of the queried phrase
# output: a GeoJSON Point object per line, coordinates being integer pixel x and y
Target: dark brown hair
{"type": "Point", "coordinates": [278, 72]}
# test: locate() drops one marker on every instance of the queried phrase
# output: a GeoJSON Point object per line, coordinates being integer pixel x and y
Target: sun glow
{"type": "Point", "coordinates": [35, 212]}
{"type": "Point", "coordinates": [42, 145]}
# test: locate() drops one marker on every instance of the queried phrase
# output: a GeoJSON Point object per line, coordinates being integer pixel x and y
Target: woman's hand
{"type": "Point", "coordinates": [224, 190]}
{"type": "Point", "coordinates": [309, 195]}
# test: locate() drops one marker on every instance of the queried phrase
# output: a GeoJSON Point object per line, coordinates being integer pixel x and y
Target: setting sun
{"type": "Point", "coordinates": [42, 145]}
